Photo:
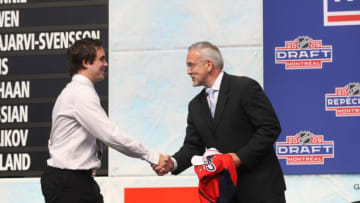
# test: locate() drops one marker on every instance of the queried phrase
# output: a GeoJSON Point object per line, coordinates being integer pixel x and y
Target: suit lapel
{"type": "Point", "coordinates": [220, 105]}
{"type": "Point", "coordinates": [222, 99]}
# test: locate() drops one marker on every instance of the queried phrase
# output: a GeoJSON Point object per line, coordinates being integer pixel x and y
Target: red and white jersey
{"type": "Point", "coordinates": [217, 177]}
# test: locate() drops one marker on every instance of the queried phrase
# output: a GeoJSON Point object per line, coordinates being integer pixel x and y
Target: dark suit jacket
{"type": "Point", "coordinates": [244, 123]}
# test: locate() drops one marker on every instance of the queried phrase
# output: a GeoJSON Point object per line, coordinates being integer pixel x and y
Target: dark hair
{"type": "Point", "coordinates": [84, 49]}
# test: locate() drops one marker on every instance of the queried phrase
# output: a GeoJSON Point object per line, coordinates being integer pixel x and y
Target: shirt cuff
{"type": "Point", "coordinates": [153, 158]}
{"type": "Point", "coordinates": [175, 164]}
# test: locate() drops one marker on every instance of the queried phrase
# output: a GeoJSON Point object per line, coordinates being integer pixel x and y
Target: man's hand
{"type": "Point", "coordinates": [164, 166]}
{"type": "Point", "coordinates": [236, 159]}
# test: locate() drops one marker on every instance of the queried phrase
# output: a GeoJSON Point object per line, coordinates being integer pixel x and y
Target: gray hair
{"type": "Point", "coordinates": [208, 51]}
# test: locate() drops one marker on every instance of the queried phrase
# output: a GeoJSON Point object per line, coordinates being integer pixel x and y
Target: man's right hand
{"type": "Point", "coordinates": [164, 166]}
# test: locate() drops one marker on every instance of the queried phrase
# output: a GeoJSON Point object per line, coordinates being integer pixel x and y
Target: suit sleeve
{"type": "Point", "coordinates": [193, 145]}
{"type": "Point", "coordinates": [267, 127]}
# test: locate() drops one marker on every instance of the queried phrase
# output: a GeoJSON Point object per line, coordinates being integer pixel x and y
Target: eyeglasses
{"type": "Point", "coordinates": [193, 65]}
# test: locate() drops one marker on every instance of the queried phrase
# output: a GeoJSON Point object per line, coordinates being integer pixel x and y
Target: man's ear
{"type": "Point", "coordinates": [84, 64]}
{"type": "Point", "coordinates": [209, 65]}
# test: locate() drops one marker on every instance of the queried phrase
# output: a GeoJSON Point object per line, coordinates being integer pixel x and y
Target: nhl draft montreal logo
{"type": "Point", "coordinates": [345, 101]}
{"type": "Point", "coordinates": [305, 148]}
{"type": "Point", "coordinates": [303, 53]}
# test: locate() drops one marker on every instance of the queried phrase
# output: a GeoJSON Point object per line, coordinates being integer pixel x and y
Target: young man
{"type": "Point", "coordinates": [78, 121]}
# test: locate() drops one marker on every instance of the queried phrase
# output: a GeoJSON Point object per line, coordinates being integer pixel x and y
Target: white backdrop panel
{"type": "Point", "coordinates": [158, 24]}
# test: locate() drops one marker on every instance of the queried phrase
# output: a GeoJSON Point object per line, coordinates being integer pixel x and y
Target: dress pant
{"type": "Point", "coordinates": [279, 198]}
{"type": "Point", "coordinates": [276, 199]}
{"type": "Point", "coordinates": [70, 186]}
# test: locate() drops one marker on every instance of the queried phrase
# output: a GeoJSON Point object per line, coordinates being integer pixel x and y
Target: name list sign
{"type": "Point", "coordinates": [34, 37]}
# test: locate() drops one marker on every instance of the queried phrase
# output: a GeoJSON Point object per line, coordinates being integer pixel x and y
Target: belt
{"type": "Point", "coordinates": [80, 172]}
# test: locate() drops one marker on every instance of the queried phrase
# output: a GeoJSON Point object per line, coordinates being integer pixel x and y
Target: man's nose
{"type": "Point", "coordinates": [189, 70]}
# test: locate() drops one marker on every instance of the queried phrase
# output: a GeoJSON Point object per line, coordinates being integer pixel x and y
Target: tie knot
{"type": "Point", "coordinates": [211, 92]}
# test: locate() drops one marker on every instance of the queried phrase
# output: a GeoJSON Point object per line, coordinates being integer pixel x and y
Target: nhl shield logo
{"type": "Point", "coordinates": [303, 42]}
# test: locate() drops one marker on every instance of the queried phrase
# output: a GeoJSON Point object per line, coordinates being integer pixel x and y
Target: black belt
{"type": "Point", "coordinates": [82, 172]}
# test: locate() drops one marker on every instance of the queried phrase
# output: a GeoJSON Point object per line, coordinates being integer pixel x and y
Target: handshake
{"type": "Point", "coordinates": [165, 165]}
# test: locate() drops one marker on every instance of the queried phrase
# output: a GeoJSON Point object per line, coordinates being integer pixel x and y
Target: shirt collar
{"type": "Point", "coordinates": [82, 79]}
{"type": "Point", "coordinates": [217, 83]}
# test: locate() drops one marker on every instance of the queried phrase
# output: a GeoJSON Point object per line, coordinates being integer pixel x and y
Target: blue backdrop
{"type": "Point", "coordinates": [311, 75]}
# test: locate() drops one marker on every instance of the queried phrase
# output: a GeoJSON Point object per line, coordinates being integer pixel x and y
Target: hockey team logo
{"type": "Point", "coordinates": [345, 101]}
{"type": "Point", "coordinates": [210, 166]}
{"type": "Point", "coordinates": [303, 53]}
{"type": "Point", "coordinates": [341, 12]}
{"type": "Point", "coordinates": [305, 148]}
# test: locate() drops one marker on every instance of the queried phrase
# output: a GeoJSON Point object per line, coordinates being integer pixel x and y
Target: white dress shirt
{"type": "Point", "coordinates": [215, 86]}
{"type": "Point", "coordinates": [77, 121]}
